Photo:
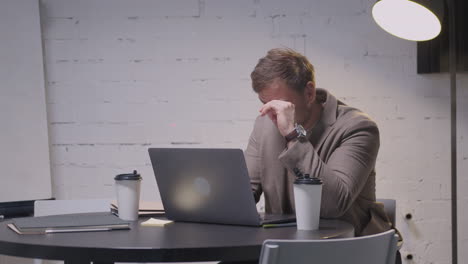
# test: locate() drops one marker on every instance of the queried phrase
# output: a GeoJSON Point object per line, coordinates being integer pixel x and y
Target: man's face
{"type": "Point", "coordinates": [278, 90]}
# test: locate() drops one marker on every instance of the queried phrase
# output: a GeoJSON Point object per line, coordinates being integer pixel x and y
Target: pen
{"type": "Point", "coordinates": [48, 231]}
{"type": "Point", "coordinates": [279, 225]}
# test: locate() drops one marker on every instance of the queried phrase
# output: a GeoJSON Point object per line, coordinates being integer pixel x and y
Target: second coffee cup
{"type": "Point", "coordinates": [307, 197]}
{"type": "Point", "coordinates": [128, 195]}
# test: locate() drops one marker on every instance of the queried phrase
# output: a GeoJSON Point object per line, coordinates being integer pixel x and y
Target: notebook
{"type": "Point", "coordinates": [146, 208]}
{"type": "Point", "coordinates": [85, 222]}
{"type": "Point", "coordinates": [207, 185]}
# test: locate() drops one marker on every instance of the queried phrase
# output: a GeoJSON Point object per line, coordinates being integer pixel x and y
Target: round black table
{"type": "Point", "coordinates": [171, 243]}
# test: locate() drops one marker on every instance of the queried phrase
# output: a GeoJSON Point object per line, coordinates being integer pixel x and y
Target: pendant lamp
{"type": "Point", "coordinates": [417, 20]}
{"type": "Point", "coordinates": [421, 20]}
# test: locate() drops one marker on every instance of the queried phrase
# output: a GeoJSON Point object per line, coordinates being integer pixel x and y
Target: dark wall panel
{"type": "Point", "coordinates": [433, 54]}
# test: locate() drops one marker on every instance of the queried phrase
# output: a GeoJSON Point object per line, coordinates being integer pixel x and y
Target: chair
{"type": "Point", "coordinates": [373, 249]}
{"type": "Point", "coordinates": [390, 208]}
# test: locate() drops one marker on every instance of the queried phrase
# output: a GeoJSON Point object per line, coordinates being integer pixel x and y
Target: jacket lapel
{"type": "Point", "coordinates": [323, 128]}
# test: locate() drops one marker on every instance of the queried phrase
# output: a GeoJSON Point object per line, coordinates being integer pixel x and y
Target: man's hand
{"type": "Point", "coordinates": [281, 113]}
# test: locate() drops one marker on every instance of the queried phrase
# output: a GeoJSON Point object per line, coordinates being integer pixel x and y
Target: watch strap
{"type": "Point", "coordinates": [292, 135]}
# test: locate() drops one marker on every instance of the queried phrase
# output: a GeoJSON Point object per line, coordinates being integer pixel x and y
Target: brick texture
{"type": "Point", "coordinates": [125, 75]}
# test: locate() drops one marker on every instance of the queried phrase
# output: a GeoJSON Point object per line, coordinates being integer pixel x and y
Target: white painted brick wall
{"type": "Point", "coordinates": [125, 75]}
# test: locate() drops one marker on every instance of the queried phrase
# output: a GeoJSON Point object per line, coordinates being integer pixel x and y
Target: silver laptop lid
{"type": "Point", "coordinates": [204, 185]}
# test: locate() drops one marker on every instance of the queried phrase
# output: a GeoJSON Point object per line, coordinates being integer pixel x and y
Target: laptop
{"type": "Point", "coordinates": [209, 186]}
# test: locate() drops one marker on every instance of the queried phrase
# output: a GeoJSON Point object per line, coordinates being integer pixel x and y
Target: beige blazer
{"type": "Point", "coordinates": [341, 150]}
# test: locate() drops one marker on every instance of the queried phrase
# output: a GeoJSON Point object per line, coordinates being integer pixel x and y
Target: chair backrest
{"type": "Point", "coordinates": [55, 207]}
{"type": "Point", "coordinates": [373, 249]}
{"type": "Point", "coordinates": [390, 208]}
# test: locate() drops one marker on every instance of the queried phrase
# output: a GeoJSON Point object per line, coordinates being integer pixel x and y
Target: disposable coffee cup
{"type": "Point", "coordinates": [128, 195]}
{"type": "Point", "coordinates": [307, 197]}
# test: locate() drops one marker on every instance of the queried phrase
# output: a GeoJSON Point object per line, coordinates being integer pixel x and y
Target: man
{"type": "Point", "coordinates": [340, 145]}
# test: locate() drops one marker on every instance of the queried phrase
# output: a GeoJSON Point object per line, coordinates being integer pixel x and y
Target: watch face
{"type": "Point", "coordinates": [301, 131]}
{"type": "Point", "coordinates": [298, 133]}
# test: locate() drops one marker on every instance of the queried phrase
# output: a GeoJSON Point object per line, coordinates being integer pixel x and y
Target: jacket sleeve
{"type": "Point", "coordinates": [253, 160]}
{"type": "Point", "coordinates": [348, 166]}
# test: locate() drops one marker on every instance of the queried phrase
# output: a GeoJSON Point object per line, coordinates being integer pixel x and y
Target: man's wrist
{"type": "Point", "coordinates": [290, 130]}
{"type": "Point", "coordinates": [298, 133]}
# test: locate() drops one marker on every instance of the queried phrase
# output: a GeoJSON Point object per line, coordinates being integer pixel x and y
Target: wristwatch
{"type": "Point", "coordinates": [298, 133]}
